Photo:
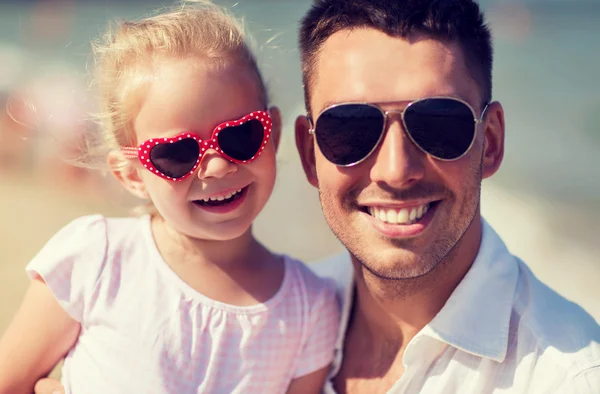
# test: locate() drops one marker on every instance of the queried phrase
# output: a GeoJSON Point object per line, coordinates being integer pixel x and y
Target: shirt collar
{"type": "Point", "coordinates": [476, 317]}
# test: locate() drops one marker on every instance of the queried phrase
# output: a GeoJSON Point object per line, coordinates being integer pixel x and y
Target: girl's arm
{"type": "Point", "coordinates": [49, 386]}
{"type": "Point", "coordinates": [309, 384]}
{"type": "Point", "coordinates": [41, 333]}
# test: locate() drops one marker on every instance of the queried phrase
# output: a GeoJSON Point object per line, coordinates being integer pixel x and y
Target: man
{"type": "Point", "coordinates": [401, 129]}
{"type": "Point", "coordinates": [433, 302]}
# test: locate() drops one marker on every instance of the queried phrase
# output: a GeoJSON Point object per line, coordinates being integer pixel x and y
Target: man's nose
{"type": "Point", "coordinates": [213, 165]}
{"type": "Point", "coordinates": [398, 162]}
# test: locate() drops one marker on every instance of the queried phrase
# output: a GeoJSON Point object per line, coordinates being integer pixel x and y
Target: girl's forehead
{"type": "Point", "coordinates": [191, 96]}
{"type": "Point", "coordinates": [256, 115]}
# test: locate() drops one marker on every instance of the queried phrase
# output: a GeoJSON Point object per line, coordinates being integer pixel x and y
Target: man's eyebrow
{"type": "Point", "coordinates": [331, 103]}
{"type": "Point", "coordinates": [314, 114]}
{"type": "Point", "coordinates": [393, 103]}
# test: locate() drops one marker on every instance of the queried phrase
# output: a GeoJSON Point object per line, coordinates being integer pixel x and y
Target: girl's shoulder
{"type": "Point", "coordinates": [305, 273]}
{"type": "Point", "coordinates": [92, 234]}
{"type": "Point", "coordinates": [83, 236]}
{"type": "Point", "coordinates": [74, 260]}
{"type": "Point", "coordinates": [315, 286]}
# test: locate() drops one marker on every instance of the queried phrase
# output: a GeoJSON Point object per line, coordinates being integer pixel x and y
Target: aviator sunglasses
{"type": "Point", "coordinates": [175, 158]}
{"type": "Point", "coordinates": [443, 127]}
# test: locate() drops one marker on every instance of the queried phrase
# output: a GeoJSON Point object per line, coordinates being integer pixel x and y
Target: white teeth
{"type": "Point", "coordinates": [413, 214]}
{"type": "Point", "coordinates": [399, 216]}
{"type": "Point", "coordinates": [392, 216]}
{"type": "Point", "coordinates": [403, 216]}
{"type": "Point", "coordinates": [221, 198]}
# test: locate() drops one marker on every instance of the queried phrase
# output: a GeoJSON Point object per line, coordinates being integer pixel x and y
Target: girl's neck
{"type": "Point", "coordinates": [239, 272]}
{"type": "Point", "coordinates": [180, 247]}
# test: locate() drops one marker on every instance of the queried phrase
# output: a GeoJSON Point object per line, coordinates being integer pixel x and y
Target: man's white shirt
{"type": "Point", "coordinates": [501, 331]}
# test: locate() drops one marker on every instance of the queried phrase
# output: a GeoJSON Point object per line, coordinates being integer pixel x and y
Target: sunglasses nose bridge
{"type": "Point", "coordinates": [391, 115]}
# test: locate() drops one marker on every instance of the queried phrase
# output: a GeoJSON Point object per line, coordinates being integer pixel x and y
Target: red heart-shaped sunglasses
{"type": "Point", "coordinates": [175, 158]}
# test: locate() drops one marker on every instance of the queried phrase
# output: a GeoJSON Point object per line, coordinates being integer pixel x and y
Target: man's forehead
{"type": "Point", "coordinates": [366, 65]}
{"type": "Point", "coordinates": [354, 44]}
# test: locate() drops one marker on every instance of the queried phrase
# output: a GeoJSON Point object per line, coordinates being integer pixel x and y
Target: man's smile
{"type": "Point", "coordinates": [392, 215]}
{"type": "Point", "coordinates": [399, 221]}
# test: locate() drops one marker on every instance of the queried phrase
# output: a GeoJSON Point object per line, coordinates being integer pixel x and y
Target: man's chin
{"type": "Point", "coordinates": [395, 265]}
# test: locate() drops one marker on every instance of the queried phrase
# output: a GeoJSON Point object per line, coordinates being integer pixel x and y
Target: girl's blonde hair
{"type": "Point", "coordinates": [125, 57]}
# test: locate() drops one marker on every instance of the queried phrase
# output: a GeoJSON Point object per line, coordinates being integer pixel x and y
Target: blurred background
{"type": "Point", "coordinates": [544, 201]}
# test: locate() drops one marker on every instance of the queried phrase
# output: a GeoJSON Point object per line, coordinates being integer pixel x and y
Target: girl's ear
{"type": "Point", "coordinates": [276, 130]}
{"type": "Point", "coordinates": [127, 174]}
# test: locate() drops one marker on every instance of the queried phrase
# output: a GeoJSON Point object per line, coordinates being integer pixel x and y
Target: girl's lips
{"type": "Point", "coordinates": [238, 199]}
{"type": "Point", "coordinates": [404, 230]}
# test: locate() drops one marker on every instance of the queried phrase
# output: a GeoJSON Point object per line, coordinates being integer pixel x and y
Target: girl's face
{"type": "Point", "coordinates": [221, 199]}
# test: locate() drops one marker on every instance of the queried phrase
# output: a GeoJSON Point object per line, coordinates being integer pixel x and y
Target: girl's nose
{"type": "Point", "coordinates": [213, 165]}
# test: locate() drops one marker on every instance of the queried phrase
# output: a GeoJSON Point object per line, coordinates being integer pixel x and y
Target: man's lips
{"type": "Point", "coordinates": [398, 213]}
{"type": "Point", "coordinates": [408, 221]}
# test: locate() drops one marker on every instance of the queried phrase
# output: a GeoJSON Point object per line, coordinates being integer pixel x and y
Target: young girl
{"type": "Point", "coordinates": [185, 299]}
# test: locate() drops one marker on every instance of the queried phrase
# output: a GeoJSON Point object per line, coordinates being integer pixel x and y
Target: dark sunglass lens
{"type": "Point", "coordinates": [175, 159]}
{"type": "Point", "coordinates": [444, 128]}
{"type": "Point", "coordinates": [347, 133]}
{"type": "Point", "coordinates": [242, 142]}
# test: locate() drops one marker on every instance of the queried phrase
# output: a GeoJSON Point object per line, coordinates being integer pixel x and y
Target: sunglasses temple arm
{"type": "Point", "coordinates": [311, 129]}
{"type": "Point", "coordinates": [485, 108]}
{"type": "Point", "coordinates": [129, 152]}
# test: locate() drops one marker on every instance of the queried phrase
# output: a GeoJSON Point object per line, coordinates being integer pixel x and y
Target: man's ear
{"type": "Point", "coordinates": [306, 149]}
{"type": "Point", "coordinates": [276, 129]}
{"type": "Point", "coordinates": [493, 145]}
{"type": "Point", "coordinates": [127, 174]}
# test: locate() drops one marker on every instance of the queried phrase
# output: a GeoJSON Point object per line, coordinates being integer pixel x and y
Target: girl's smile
{"type": "Point", "coordinates": [223, 203]}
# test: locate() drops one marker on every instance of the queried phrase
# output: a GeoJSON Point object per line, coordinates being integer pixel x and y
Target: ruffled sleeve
{"type": "Point", "coordinates": [71, 263]}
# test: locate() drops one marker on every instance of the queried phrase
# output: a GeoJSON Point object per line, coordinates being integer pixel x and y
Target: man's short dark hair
{"type": "Point", "coordinates": [459, 21]}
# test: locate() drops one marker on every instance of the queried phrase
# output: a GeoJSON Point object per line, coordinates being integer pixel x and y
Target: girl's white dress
{"type": "Point", "coordinates": [144, 330]}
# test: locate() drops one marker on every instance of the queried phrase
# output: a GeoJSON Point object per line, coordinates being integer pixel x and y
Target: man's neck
{"type": "Point", "coordinates": [394, 309]}
{"type": "Point", "coordinates": [387, 314]}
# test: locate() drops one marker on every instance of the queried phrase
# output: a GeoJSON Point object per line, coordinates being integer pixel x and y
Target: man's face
{"type": "Point", "coordinates": [366, 65]}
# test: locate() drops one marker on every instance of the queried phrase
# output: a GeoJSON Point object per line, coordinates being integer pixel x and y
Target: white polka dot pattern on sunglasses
{"type": "Point", "coordinates": [144, 150]}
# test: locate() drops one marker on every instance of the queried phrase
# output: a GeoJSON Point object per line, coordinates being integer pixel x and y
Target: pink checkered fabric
{"type": "Point", "coordinates": [144, 330]}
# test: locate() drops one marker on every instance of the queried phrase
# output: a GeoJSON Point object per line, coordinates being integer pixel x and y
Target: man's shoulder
{"type": "Point", "coordinates": [561, 328]}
